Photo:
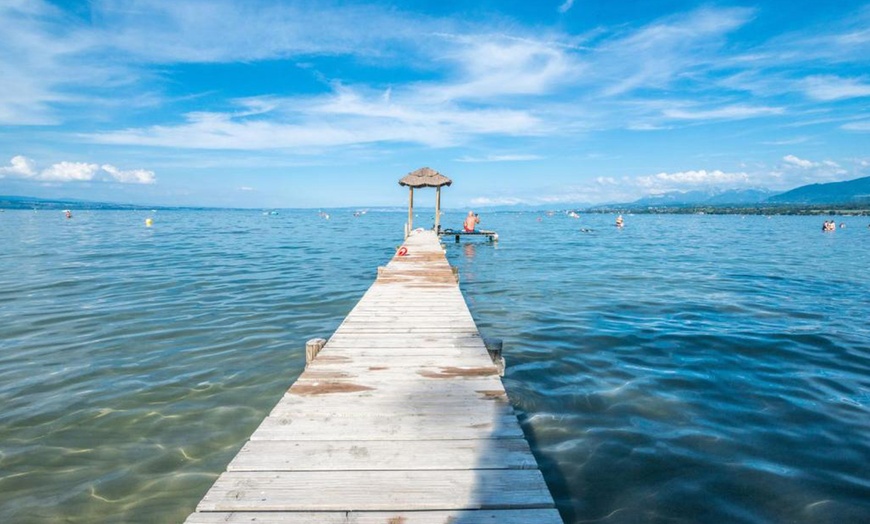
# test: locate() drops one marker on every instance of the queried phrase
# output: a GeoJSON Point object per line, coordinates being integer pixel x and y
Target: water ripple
{"type": "Point", "coordinates": [683, 369]}
{"type": "Point", "coordinates": [687, 368]}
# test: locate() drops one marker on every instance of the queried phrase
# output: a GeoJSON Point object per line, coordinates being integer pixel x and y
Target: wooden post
{"type": "Point", "coordinates": [411, 211]}
{"type": "Point", "coordinates": [437, 210]}
{"type": "Point", "coordinates": [312, 348]}
{"type": "Point", "coordinates": [494, 347]}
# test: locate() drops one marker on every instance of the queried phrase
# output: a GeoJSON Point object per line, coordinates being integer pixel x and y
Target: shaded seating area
{"type": "Point", "coordinates": [428, 177]}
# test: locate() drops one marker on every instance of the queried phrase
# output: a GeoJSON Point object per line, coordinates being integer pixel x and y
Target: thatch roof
{"type": "Point", "coordinates": [425, 177]}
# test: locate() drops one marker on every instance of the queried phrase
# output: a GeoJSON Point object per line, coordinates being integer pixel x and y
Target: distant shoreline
{"type": "Point", "coordinates": [791, 209]}
{"type": "Point", "coordinates": [862, 209]}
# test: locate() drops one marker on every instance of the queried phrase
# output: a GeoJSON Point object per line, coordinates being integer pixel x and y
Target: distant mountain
{"type": "Point", "coordinates": [672, 198]}
{"type": "Point", "coordinates": [741, 197]}
{"type": "Point", "coordinates": [20, 202]}
{"type": "Point", "coordinates": [709, 198]}
{"type": "Point", "coordinates": [852, 192]}
{"type": "Point", "coordinates": [849, 192]}
{"type": "Point", "coordinates": [530, 208]}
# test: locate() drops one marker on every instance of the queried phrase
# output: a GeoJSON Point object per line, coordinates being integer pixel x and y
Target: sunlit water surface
{"type": "Point", "coordinates": [682, 369]}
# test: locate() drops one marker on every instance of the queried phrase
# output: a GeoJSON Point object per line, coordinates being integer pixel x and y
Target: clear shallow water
{"type": "Point", "coordinates": [683, 369]}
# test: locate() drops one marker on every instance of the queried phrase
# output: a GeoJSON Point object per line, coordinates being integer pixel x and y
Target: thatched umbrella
{"type": "Point", "coordinates": [424, 177]}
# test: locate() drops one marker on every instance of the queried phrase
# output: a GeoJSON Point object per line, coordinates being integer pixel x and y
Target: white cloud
{"type": "Point", "coordinates": [663, 182]}
{"type": "Point", "coordinates": [22, 167]}
{"type": "Point", "coordinates": [69, 172]}
{"type": "Point", "coordinates": [133, 176]}
{"type": "Point", "coordinates": [829, 87]}
{"type": "Point", "coordinates": [498, 201]}
{"type": "Point", "coordinates": [567, 5]}
{"type": "Point", "coordinates": [798, 162]}
{"type": "Point", "coordinates": [19, 167]}
{"type": "Point", "coordinates": [796, 171]}
{"type": "Point", "coordinates": [246, 188]}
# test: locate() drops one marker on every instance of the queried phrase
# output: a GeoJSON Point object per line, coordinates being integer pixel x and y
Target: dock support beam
{"type": "Point", "coordinates": [410, 213]}
{"type": "Point", "coordinates": [437, 210]}
{"type": "Point", "coordinates": [312, 348]}
{"type": "Point", "coordinates": [494, 347]}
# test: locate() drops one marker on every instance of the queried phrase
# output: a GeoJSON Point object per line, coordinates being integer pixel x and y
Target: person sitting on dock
{"type": "Point", "coordinates": [470, 221]}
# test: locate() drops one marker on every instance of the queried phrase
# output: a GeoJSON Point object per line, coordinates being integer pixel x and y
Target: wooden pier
{"type": "Point", "coordinates": [491, 236]}
{"type": "Point", "coordinates": [400, 418]}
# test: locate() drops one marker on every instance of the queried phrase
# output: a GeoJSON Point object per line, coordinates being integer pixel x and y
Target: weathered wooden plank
{"type": "Point", "coordinates": [431, 385]}
{"type": "Point", "coordinates": [405, 343]}
{"type": "Point", "coordinates": [362, 407]}
{"type": "Point", "coordinates": [387, 329]}
{"type": "Point", "coordinates": [336, 455]}
{"type": "Point", "coordinates": [393, 374]}
{"type": "Point", "coordinates": [377, 490]}
{"type": "Point", "coordinates": [458, 426]}
{"type": "Point", "coordinates": [517, 516]}
{"type": "Point", "coordinates": [494, 402]}
{"type": "Point", "coordinates": [335, 359]}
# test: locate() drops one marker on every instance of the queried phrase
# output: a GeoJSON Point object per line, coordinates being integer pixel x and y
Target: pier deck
{"type": "Point", "coordinates": [400, 419]}
{"type": "Point", "coordinates": [492, 236]}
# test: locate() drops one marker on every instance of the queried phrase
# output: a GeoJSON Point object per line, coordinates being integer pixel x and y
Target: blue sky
{"type": "Point", "coordinates": [321, 104]}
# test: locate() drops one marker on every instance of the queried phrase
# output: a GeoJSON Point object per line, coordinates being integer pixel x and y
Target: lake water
{"type": "Point", "coordinates": [682, 369]}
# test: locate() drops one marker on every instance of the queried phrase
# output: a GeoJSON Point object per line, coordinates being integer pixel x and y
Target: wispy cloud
{"type": "Point", "coordinates": [667, 50]}
{"type": "Point", "coordinates": [480, 70]}
{"type": "Point", "coordinates": [498, 158]}
{"type": "Point", "coordinates": [566, 6]}
{"type": "Point", "coordinates": [492, 84]}
{"type": "Point", "coordinates": [731, 112]}
{"type": "Point", "coordinates": [216, 31]}
{"type": "Point", "coordinates": [829, 87]}
{"type": "Point", "coordinates": [863, 125]}
{"type": "Point", "coordinates": [787, 141]}
{"type": "Point", "coordinates": [492, 65]}
{"type": "Point", "coordinates": [496, 84]}
{"type": "Point", "coordinates": [345, 116]}
{"type": "Point", "coordinates": [22, 167]}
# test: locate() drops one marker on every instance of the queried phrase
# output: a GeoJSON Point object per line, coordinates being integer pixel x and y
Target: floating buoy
{"type": "Point", "coordinates": [402, 251]}
{"type": "Point", "coordinates": [148, 222]}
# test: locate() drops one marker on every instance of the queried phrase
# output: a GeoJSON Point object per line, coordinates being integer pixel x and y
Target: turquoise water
{"type": "Point", "coordinates": [683, 369]}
